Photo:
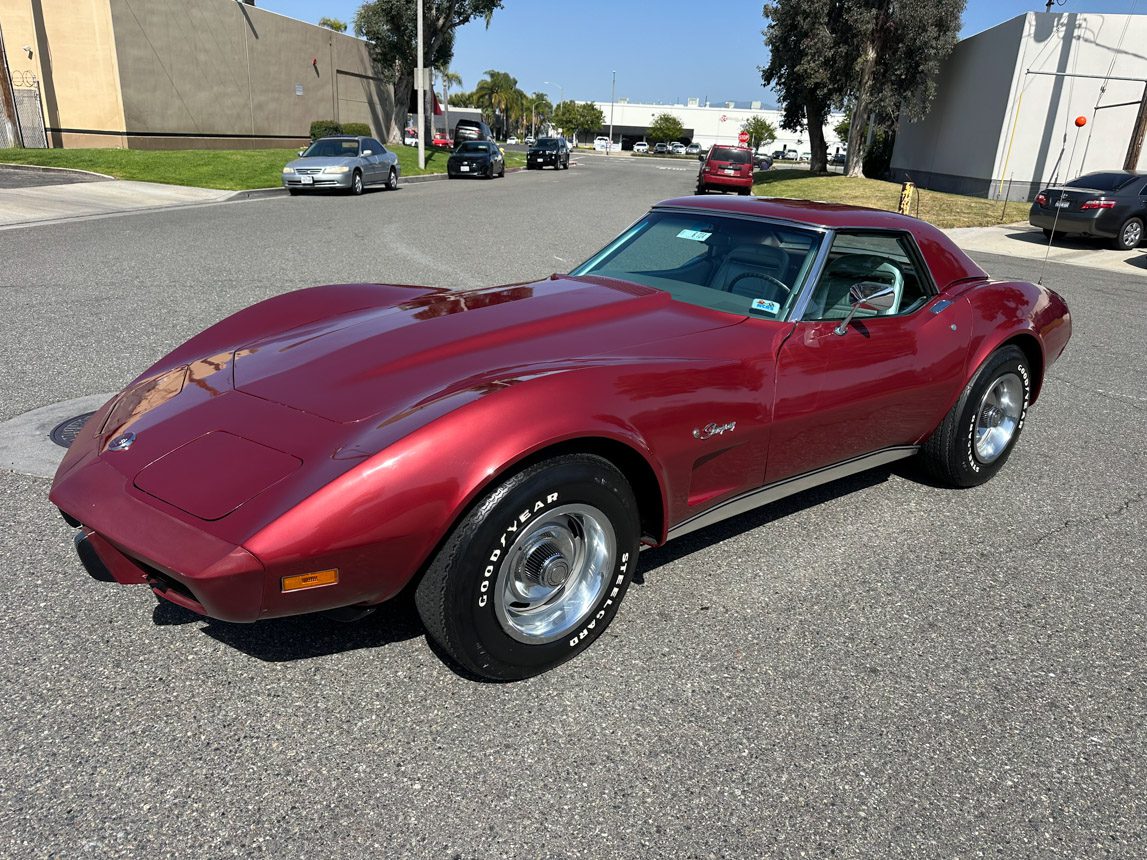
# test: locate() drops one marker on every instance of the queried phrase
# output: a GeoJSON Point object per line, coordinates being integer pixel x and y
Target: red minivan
{"type": "Point", "coordinates": [726, 168]}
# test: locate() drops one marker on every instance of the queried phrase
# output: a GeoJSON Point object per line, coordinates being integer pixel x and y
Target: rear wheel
{"type": "Point", "coordinates": [536, 571]}
{"type": "Point", "coordinates": [701, 189]}
{"type": "Point", "coordinates": [976, 438]}
{"type": "Point", "coordinates": [1130, 235]}
{"type": "Point", "coordinates": [294, 192]}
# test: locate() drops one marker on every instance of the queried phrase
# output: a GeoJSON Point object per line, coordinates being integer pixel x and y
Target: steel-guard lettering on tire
{"type": "Point", "coordinates": [608, 602]}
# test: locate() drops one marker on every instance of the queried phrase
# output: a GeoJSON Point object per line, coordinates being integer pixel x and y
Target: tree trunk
{"type": "Point", "coordinates": [403, 85]}
{"type": "Point", "coordinates": [858, 122]}
{"type": "Point", "coordinates": [818, 152]}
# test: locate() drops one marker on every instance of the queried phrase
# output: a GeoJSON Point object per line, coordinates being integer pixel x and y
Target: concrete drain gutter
{"type": "Point", "coordinates": [34, 443]}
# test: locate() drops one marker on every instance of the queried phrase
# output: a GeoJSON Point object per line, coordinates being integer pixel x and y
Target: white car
{"type": "Point", "coordinates": [601, 143]}
{"type": "Point", "coordinates": [511, 141]}
{"type": "Point", "coordinates": [677, 148]}
{"type": "Point", "coordinates": [530, 141]}
{"type": "Point", "coordinates": [641, 146]}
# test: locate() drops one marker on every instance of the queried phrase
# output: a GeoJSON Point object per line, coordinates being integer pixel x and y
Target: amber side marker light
{"type": "Point", "coordinates": [310, 580]}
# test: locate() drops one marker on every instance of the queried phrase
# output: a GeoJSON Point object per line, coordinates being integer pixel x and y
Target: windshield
{"type": "Point", "coordinates": [733, 156]}
{"type": "Point", "coordinates": [741, 265]}
{"type": "Point", "coordinates": [332, 148]}
{"type": "Point", "coordinates": [1101, 181]}
{"type": "Point", "coordinates": [546, 143]}
{"type": "Point", "coordinates": [474, 148]}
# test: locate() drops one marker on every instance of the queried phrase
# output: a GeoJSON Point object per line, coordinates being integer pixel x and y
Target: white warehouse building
{"type": "Point", "coordinates": [1004, 119]}
{"type": "Point", "coordinates": [706, 124]}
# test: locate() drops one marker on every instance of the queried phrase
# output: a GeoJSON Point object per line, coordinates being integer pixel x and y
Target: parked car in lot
{"type": "Point", "coordinates": [511, 141]}
{"type": "Point", "coordinates": [726, 168]}
{"type": "Point", "coordinates": [762, 162]}
{"type": "Point", "coordinates": [677, 148]}
{"type": "Point", "coordinates": [1108, 204]}
{"type": "Point", "coordinates": [549, 152]}
{"type": "Point", "coordinates": [442, 141]}
{"type": "Point", "coordinates": [503, 452]}
{"type": "Point", "coordinates": [838, 158]}
{"type": "Point", "coordinates": [641, 147]}
{"type": "Point", "coordinates": [476, 158]}
{"type": "Point", "coordinates": [410, 136]}
{"type": "Point", "coordinates": [471, 129]}
{"type": "Point", "coordinates": [530, 141]}
{"type": "Point", "coordinates": [661, 149]}
{"type": "Point", "coordinates": [693, 149]}
{"type": "Point", "coordinates": [342, 164]}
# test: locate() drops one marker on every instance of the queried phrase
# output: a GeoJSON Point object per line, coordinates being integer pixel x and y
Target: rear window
{"type": "Point", "coordinates": [733, 156]}
{"type": "Point", "coordinates": [1102, 181]}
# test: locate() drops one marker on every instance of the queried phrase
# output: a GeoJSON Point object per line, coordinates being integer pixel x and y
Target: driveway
{"type": "Point", "coordinates": [34, 196]}
{"type": "Point", "coordinates": [1026, 242]}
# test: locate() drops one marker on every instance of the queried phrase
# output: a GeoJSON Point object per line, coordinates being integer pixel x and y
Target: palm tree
{"type": "Point", "coordinates": [449, 79]}
{"type": "Point", "coordinates": [540, 110]}
{"type": "Point", "coordinates": [498, 93]}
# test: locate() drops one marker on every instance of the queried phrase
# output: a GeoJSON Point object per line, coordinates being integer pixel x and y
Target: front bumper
{"type": "Point", "coordinates": [319, 181]}
{"type": "Point", "coordinates": [549, 159]}
{"type": "Point", "coordinates": [469, 169]}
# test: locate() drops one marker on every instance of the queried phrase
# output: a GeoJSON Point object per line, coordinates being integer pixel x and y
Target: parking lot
{"type": "Point", "coordinates": [877, 668]}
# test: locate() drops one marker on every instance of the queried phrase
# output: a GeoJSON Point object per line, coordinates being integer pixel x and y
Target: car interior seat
{"type": "Point", "coordinates": [750, 260]}
{"type": "Point", "coordinates": [831, 299]}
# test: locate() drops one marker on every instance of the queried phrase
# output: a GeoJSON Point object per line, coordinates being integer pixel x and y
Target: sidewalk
{"type": "Point", "coordinates": [1026, 242]}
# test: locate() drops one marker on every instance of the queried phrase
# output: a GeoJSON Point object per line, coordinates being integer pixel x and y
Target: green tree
{"type": "Point", "coordinates": [878, 56]}
{"type": "Point", "coordinates": [499, 96]}
{"type": "Point", "coordinates": [541, 109]}
{"type": "Point", "coordinates": [665, 127]}
{"type": "Point", "coordinates": [841, 129]}
{"type": "Point", "coordinates": [574, 118]}
{"type": "Point", "coordinates": [449, 79]}
{"type": "Point", "coordinates": [391, 27]}
{"type": "Point", "coordinates": [761, 131]}
{"type": "Point", "coordinates": [333, 24]}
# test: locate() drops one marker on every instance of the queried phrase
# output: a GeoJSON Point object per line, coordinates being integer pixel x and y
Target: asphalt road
{"type": "Point", "coordinates": [879, 668]}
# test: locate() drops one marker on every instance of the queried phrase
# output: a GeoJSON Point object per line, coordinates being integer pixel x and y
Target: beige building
{"type": "Point", "coordinates": [174, 74]}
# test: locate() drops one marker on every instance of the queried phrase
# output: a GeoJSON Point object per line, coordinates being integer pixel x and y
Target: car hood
{"type": "Point", "coordinates": [322, 162]}
{"type": "Point", "coordinates": [388, 361]}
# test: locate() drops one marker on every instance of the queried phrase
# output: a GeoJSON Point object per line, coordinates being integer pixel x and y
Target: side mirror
{"type": "Point", "coordinates": [867, 296]}
{"type": "Point", "coordinates": [367, 152]}
{"type": "Point", "coordinates": [301, 151]}
{"type": "Point", "coordinates": [701, 157]}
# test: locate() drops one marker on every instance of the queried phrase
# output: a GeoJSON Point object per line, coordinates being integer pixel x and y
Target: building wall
{"type": "Point", "coordinates": [710, 125]}
{"type": "Point", "coordinates": [996, 130]}
{"type": "Point", "coordinates": [189, 74]}
{"type": "Point", "coordinates": [73, 59]}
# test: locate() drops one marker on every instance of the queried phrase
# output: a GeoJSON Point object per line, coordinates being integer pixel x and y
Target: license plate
{"type": "Point", "coordinates": [307, 180]}
{"type": "Point", "coordinates": [730, 171]}
{"type": "Point", "coordinates": [465, 168]}
{"type": "Point", "coordinates": [1062, 204]}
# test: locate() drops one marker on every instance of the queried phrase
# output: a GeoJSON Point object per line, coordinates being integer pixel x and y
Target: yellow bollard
{"type": "Point", "coordinates": [907, 190]}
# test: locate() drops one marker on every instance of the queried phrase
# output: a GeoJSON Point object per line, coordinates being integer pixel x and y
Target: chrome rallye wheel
{"type": "Point", "coordinates": [535, 572]}
{"type": "Point", "coordinates": [976, 437]}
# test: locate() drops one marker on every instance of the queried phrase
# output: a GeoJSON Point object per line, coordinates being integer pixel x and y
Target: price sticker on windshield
{"type": "Point", "coordinates": [694, 235]}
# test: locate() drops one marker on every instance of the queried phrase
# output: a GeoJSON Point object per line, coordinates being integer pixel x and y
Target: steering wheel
{"type": "Point", "coordinates": [761, 276]}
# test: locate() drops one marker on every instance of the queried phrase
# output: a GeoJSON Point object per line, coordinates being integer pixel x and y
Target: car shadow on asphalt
{"type": "Point", "coordinates": [305, 637]}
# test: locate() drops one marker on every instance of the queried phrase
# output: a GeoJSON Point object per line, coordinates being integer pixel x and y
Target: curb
{"type": "Point", "coordinates": [39, 168]}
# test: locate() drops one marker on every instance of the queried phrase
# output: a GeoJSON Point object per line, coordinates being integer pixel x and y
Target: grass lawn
{"type": "Point", "coordinates": [228, 169]}
{"type": "Point", "coordinates": [943, 210]}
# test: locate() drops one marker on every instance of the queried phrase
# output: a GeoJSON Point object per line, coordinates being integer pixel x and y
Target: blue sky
{"type": "Point", "coordinates": [662, 50]}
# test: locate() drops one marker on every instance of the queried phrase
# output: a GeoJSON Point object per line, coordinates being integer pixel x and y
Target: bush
{"type": "Point", "coordinates": [324, 128]}
{"type": "Point", "coordinates": [358, 129]}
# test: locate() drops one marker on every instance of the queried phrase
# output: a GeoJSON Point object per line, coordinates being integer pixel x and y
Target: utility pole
{"type": "Point", "coordinates": [420, 78]}
{"type": "Point", "coordinates": [1131, 162]}
{"type": "Point", "coordinates": [9, 122]}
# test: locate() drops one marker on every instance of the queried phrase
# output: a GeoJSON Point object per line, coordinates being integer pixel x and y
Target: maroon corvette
{"type": "Point", "coordinates": [505, 451]}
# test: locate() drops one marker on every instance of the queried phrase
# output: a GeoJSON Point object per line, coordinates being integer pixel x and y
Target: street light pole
{"type": "Point", "coordinates": [420, 74]}
{"type": "Point", "coordinates": [612, 100]}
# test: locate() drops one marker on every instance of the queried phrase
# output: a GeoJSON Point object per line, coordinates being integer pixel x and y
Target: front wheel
{"type": "Point", "coordinates": [536, 571]}
{"type": "Point", "coordinates": [356, 184]}
{"type": "Point", "coordinates": [392, 180]}
{"type": "Point", "coordinates": [977, 436]}
{"type": "Point", "coordinates": [1130, 235]}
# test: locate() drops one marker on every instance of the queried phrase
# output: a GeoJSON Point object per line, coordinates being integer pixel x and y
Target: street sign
{"type": "Point", "coordinates": [743, 137]}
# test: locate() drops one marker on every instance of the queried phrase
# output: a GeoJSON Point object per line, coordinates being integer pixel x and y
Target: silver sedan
{"type": "Point", "coordinates": [342, 164]}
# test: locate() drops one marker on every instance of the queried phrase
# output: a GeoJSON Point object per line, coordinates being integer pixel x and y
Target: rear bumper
{"type": "Point", "coordinates": [1098, 222]}
{"type": "Point", "coordinates": [718, 180]}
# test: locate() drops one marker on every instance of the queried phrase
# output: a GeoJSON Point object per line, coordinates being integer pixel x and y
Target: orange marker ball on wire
{"type": "Point", "coordinates": [1080, 121]}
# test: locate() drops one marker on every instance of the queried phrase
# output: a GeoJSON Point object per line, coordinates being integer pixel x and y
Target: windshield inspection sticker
{"type": "Point", "coordinates": [766, 306]}
{"type": "Point", "coordinates": [694, 235]}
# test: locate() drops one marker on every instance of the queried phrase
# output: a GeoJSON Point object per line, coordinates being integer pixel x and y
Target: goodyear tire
{"type": "Point", "coordinates": [535, 571]}
{"type": "Point", "coordinates": [977, 436]}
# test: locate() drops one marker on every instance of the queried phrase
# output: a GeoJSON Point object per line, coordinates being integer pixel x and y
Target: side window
{"type": "Point", "coordinates": [378, 148]}
{"type": "Point", "coordinates": [888, 259]}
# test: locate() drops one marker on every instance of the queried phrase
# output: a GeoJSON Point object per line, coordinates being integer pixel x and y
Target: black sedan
{"type": "Point", "coordinates": [551, 151]}
{"type": "Point", "coordinates": [476, 158]}
{"type": "Point", "coordinates": [1111, 204]}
